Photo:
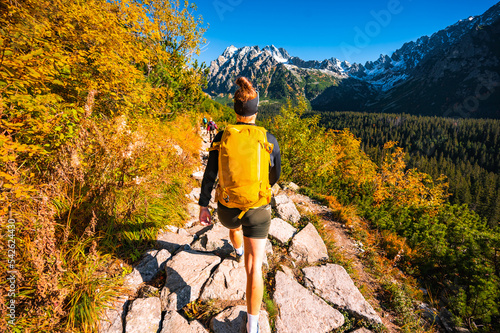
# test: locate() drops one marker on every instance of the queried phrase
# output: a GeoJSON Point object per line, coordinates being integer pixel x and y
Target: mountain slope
{"type": "Point", "coordinates": [459, 81]}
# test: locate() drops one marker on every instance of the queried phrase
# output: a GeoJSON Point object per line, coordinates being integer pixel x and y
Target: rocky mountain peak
{"type": "Point", "coordinates": [229, 51]}
{"type": "Point", "coordinates": [280, 55]}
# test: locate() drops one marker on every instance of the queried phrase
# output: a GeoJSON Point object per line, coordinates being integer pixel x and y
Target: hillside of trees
{"type": "Point", "coordinates": [466, 151]}
{"type": "Point", "coordinates": [447, 246]}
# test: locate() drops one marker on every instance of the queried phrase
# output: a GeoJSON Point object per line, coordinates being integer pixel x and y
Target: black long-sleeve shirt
{"type": "Point", "coordinates": [212, 168]}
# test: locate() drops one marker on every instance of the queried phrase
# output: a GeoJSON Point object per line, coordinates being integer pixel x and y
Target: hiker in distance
{"type": "Point", "coordinates": [211, 129]}
{"type": "Point", "coordinates": [247, 160]}
{"type": "Point", "coordinates": [205, 121]}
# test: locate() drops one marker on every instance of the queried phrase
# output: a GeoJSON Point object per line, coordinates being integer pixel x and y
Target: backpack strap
{"type": "Point", "coordinates": [215, 146]}
{"type": "Point", "coordinates": [243, 213]}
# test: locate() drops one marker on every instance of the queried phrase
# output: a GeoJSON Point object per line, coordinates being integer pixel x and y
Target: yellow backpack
{"type": "Point", "coordinates": [244, 159]}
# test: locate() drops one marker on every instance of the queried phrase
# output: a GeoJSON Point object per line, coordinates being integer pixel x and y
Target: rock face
{"type": "Point", "coordinates": [144, 316]}
{"type": "Point", "coordinates": [228, 282]}
{"type": "Point", "coordinates": [286, 209]}
{"type": "Point", "coordinates": [173, 322]}
{"type": "Point", "coordinates": [234, 319]}
{"type": "Point", "coordinates": [186, 272]}
{"type": "Point", "coordinates": [147, 268]}
{"type": "Point", "coordinates": [334, 285]}
{"type": "Point", "coordinates": [281, 230]}
{"type": "Point", "coordinates": [302, 311]}
{"type": "Point", "coordinates": [215, 240]}
{"type": "Point", "coordinates": [308, 246]}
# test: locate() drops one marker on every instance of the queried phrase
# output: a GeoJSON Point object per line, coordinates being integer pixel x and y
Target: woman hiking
{"type": "Point", "coordinates": [246, 158]}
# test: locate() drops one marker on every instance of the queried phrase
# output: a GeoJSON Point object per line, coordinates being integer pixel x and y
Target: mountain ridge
{"type": "Point", "coordinates": [279, 75]}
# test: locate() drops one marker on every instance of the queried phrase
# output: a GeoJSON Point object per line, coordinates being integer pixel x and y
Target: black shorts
{"type": "Point", "coordinates": [255, 222]}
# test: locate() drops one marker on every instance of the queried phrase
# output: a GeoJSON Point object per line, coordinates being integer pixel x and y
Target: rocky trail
{"type": "Point", "coordinates": [196, 263]}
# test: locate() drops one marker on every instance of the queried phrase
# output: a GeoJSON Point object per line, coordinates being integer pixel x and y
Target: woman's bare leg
{"type": "Point", "coordinates": [254, 255]}
{"type": "Point", "coordinates": [236, 237]}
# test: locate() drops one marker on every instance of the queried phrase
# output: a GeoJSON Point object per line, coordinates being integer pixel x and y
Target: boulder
{"type": "Point", "coordinates": [152, 263]}
{"type": "Point", "coordinates": [194, 195]}
{"type": "Point", "coordinates": [172, 241]}
{"type": "Point", "coordinates": [292, 186]}
{"type": "Point", "coordinates": [308, 246]}
{"type": "Point", "coordinates": [212, 204]}
{"type": "Point", "coordinates": [285, 208]}
{"type": "Point", "coordinates": [186, 272]}
{"type": "Point", "coordinates": [234, 320]}
{"type": "Point", "coordinates": [228, 282]}
{"type": "Point", "coordinates": [281, 199]}
{"type": "Point", "coordinates": [143, 316]}
{"type": "Point", "coordinates": [174, 322]}
{"type": "Point", "coordinates": [216, 239]}
{"type": "Point", "coordinates": [333, 284]}
{"type": "Point", "coordinates": [198, 175]}
{"type": "Point", "coordinates": [198, 230]}
{"type": "Point", "coordinates": [111, 321]}
{"type": "Point", "coordinates": [429, 313]}
{"type": "Point", "coordinates": [302, 311]}
{"type": "Point", "coordinates": [281, 230]}
{"type": "Point", "coordinates": [276, 189]}
{"type": "Point", "coordinates": [269, 247]}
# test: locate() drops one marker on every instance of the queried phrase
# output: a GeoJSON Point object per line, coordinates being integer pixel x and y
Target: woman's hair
{"type": "Point", "coordinates": [246, 91]}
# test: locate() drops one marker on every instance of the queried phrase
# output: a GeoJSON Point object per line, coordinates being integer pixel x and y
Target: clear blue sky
{"type": "Point", "coordinates": [317, 30]}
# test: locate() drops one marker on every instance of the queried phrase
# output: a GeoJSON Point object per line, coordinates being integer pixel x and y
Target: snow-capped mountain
{"type": "Point", "coordinates": [466, 52]}
{"type": "Point", "coordinates": [248, 61]}
{"type": "Point", "coordinates": [269, 67]}
{"type": "Point", "coordinates": [387, 71]}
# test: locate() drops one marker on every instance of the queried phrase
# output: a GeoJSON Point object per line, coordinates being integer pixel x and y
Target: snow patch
{"type": "Point", "coordinates": [275, 53]}
{"type": "Point", "coordinates": [229, 51]}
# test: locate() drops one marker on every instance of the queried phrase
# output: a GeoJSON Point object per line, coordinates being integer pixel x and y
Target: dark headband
{"type": "Point", "coordinates": [248, 108]}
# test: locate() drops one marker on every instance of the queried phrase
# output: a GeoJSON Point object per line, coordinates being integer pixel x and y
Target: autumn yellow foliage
{"type": "Point", "coordinates": [315, 157]}
{"type": "Point", "coordinates": [96, 145]}
{"type": "Point", "coordinates": [404, 187]}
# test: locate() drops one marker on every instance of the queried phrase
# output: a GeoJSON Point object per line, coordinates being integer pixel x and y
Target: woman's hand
{"type": "Point", "coordinates": [205, 216]}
